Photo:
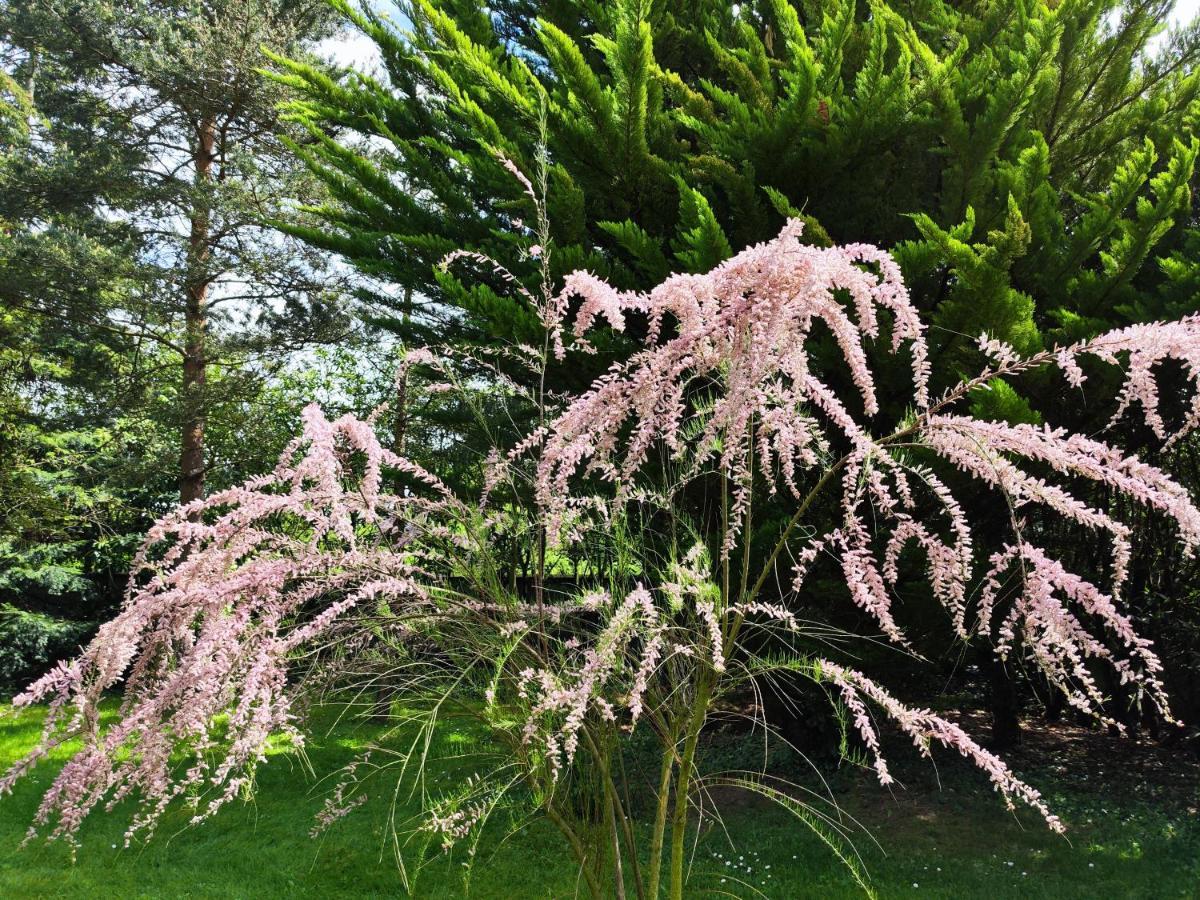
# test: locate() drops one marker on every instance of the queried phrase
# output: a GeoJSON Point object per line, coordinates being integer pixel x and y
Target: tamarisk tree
{"type": "Point", "coordinates": [241, 600]}
{"type": "Point", "coordinates": [1029, 164]}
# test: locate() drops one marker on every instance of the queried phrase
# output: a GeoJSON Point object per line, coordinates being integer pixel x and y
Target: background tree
{"type": "Point", "coordinates": [147, 313]}
{"type": "Point", "coordinates": [680, 131]}
{"type": "Point", "coordinates": [177, 96]}
{"type": "Point", "coordinates": [67, 526]}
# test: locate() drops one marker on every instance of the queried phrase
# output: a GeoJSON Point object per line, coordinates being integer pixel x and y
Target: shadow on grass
{"type": "Point", "coordinates": [955, 841]}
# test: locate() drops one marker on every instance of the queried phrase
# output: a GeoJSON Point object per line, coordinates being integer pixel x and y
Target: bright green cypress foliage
{"type": "Point", "coordinates": [455, 102]}
{"type": "Point", "coordinates": [1030, 161]}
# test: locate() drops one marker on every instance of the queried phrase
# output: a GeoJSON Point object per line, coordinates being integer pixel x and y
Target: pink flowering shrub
{"type": "Point", "coordinates": [315, 571]}
{"type": "Point", "coordinates": [225, 593]}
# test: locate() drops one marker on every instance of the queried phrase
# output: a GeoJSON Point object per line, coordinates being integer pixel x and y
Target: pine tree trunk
{"type": "Point", "coordinates": [1056, 702]}
{"type": "Point", "coordinates": [1006, 726]}
{"type": "Point", "coordinates": [35, 59]}
{"type": "Point", "coordinates": [400, 420]}
{"type": "Point", "coordinates": [196, 283]}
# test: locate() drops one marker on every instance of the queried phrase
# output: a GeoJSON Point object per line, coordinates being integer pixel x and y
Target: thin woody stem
{"type": "Point", "coordinates": [578, 849]}
{"type": "Point", "coordinates": [683, 785]}
{"type": "Point", "coordinates": [660, 819]}
{"type": "Point", "coordinates": [618, 812]}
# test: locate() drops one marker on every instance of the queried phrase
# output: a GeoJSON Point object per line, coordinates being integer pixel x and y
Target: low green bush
{"type": "Point", "coordinates": [31, 642]}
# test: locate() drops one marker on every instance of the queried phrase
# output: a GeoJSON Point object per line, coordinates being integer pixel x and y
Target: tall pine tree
{"type": "Point", "coordinates": [141, 290]}
{"type": "Point", "coordinates": [166, 97]}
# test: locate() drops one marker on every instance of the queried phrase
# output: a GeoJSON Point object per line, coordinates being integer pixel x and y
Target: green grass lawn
{"type": "Point", "coordinates": [1128, 837]}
